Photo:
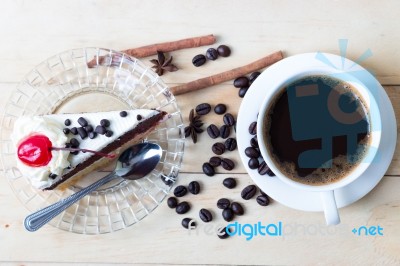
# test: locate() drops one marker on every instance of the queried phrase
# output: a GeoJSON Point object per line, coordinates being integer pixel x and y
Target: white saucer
{"type": "Point", "coordinates": [293, 197]}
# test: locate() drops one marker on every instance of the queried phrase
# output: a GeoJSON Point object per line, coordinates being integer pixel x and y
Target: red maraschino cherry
{"type": "Point", "coordinates": [36, 150]}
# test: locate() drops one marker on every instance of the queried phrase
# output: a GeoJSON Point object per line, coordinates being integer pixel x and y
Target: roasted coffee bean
{"type": "Point", "coordinates": [82, 132]}
{"type": "Point", "coordinates": [229, 182]}
{"type": "Point", "coordinates": [123, 113]}
{"type": "Point", "coordinates": [252, 152]}
{"type": "Point", "coordinates": [92, 135]}
{"type": "Point", "coordinates": [241, 82]}
{"type": "Point", "coordinates": [100, 130]}
{"type": "Point", "coordinates": [182, 207]}
{"type": "Point", "coordinates": [198, 60]}
{"type": "Point", "coordinates": [213, 131]}
{"type": "Point", "coordinates": [52, 176]}
{"type": "Point", "coordinates": [208, 169]}
{"type": "Point", "coordinates": [74, 131]}
{"type": "Point", "coordinates": [262, 200]}
{"type": "Point", "coordinates": [254, 142]}
{"type": "Point", "coordinates": [242, 91]}
{"type": "Point", "coordinates": [253, 76]}
{"type": "Point", "coordinates": [104, 122]}
{"type": "Point", "coordinates": [222, 233]}
{"type": "Point", "coordinates": [74, 143]}
{"type": "Point", "coordinates": [224, 51]}
{"type": "Point", "coordinates": [220, 109]}
{"type": "Point", "coordinates": [82, 121]}
{"type": "Point", "coordinates": [218, 148]}
{"type": "Point", "coordinates": [215, 161]}
{"type": "Point", "coordinates": [194, 187]}
{"type": "Point", "coordinates": [88, 128]}
{"type": "Point", "coordinates": [253, 128]}
{"type": "Point", "coordinates": [188, 223]}
{"type": "Point", "coordinates": [224, 131]}
{"type": "Point", "coordinates": [249, 192]}
{"type": "Point", "coordinates": [203, 108]}
{"type": "Point", "coordinates": [67, 122]}
{"type": "Point", "coordinates": [205, 215]}
{"type": "Point", "coordinates": [253, 163]}
{"type": "Point", "coordinates": [223, 203]}
{"type": "Point", "coordinates": [109, 133]}
{"type": "Point", "coordinates": [230, 144]}
{"type": "Point", "coordinates": [172, 202]}
{"type": "Point", "coordinates": [66, 130]}
{"type": "Point", "coordinates": [237, 208]}
{"type": "Point", "coordinates": [180, 191]}
{"type": "Point", "coordinates": [139, 117]}
{"type": "Point", "coordinates": [212, 54]}
{"type": "Point", "coordinates": [227, 164]}
{"type": "Point", "coordinates": [263, 169]}
{"type": "Point", "coordinates": [228, 214]}
{"type": "Point", "coordinates": [229, 120]}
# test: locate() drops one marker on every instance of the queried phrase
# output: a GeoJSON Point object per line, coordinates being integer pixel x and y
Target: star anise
{"type": "Point", "coordinates": [161, 64]}
{"type": "Point", "coordinates": [194, 126]}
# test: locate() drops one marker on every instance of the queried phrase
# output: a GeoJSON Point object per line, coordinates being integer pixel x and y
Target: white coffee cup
{"type": "Point", "coordinates": [327, 192]}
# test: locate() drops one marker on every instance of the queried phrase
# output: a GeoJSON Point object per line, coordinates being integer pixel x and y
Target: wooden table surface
{"type": "Point", "coordinates": [32, 31]}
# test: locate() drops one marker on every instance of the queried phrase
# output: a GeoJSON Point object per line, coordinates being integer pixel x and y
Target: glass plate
{"type": "Point", "coordinates": [66, 83]}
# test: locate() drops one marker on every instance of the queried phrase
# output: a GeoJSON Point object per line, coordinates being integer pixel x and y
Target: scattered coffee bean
{"type": "Point", "coordinates": [205, 215]}
{"type": "Point", "coordinates": [203, 108]}
{"type": "Point", "coordinates": [215, 161]}
{"type": "Point", "coordinates": [253, 163]}
{"type": "Point", "coordinates": [198, 60]}
{"type": "Point", "coordinates": [74, 143]}
{"type": "Point", "coordinates": [254, 142]}
{"type": "Point", "coordinates": [263, 200]}
{"type": "Point", "coordinates": [105, 122]}
{"type": "Point", "coordinates": [208, 169]}
{"type": "Point", "coordinates": [229, 120]}
{"type": "Point", "coordinates": [74, 131]}
{"type": "Point", "coordinates": [224, 51]}
{"type": "Point", "coordinates": [88, 128]}
{"type": "Point", "coordinates": [223, 203]}
{"type": "Point", "coordinates": [242, 91]}
{"type": "Point", "coordinates": [213, 131]}
{"type": "Point", "coordinates": [52, 176]}
{"type": "Point", "coordinates": [241, 82]}
{"type": "Point", "coordinates": [194, 187]}
{"type": "Point", "coordinates": [109, 133]}
{"type": "Point", "coordinates": [180, 191]}
{"type": "Point", "coordinates": [224, 131]}
{"type": "Point", "coordinates": [212, 54]}
{"type": "Point", "coordinates": [237, 208]}
{"type": "Point", "coordinates": [220, 109]}
{"type": "Point", "coordinates": [123, 113]}
{"type": "Point", "coordinates": [249, 192]}
{"type": "Point", "coordinates": [252, 152]}
{"type": "Point", "coordinates": [82, 121]}
{"type": "Point", "coordinates": [139, 117]}
{"type": "Point", "coordinates": [188, 223]}
{"type": "Point", "coordinates": [100, 130]}
{"type": "Point", "coordinates": [182, 207]}
{"type": "Point", "coordinates": [66, 131]}
{"type": "Point", "coordinates": [67, 122]}
{"type": "Point", "coordinates": [263, 169]}
{"type": "Point", "coordinates": [229, 182]}
{"type": "Point", "coordinates": [228, 214]}
{"type": "Point", "coordinates": [222, 233]}
{"type": "Point", "coordinates": [253, 76]}
{"type": "Point", "coordinates": [227, 164]}
{"type": "Point", "coordinates": [253, 128]}
{"type": "Point", "coordinates": [218, 148]}
{"type": "Point", "coordinates": [230, 144]}
{"type": "Point", "coordinates": [82, 132]}
{"type": "Point", "coordinates": [172, 202]}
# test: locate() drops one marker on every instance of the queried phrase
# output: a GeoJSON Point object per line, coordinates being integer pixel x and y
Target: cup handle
{"type": "Point", "coordinates": [330, 208]}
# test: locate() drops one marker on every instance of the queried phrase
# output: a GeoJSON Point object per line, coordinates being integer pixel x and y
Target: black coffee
{"type": "Point", "coordinates": [317, 130]}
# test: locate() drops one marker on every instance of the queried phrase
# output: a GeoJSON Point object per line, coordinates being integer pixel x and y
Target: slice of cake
{"type": "Point", "coordinates": [55, 151]}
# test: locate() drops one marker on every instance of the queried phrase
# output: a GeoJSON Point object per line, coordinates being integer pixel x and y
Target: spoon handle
{"type": "Point", "coordinates": [37, 219]}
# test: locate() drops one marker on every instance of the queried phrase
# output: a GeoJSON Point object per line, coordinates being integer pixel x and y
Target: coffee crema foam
{"type": "Point", "coordinates": [285, 151]}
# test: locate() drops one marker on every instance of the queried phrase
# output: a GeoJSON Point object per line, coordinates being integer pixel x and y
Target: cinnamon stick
{"type": "Point", "coordinates": [227, 75]}
{"type": "Point", "coordinates": [165, 47]}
